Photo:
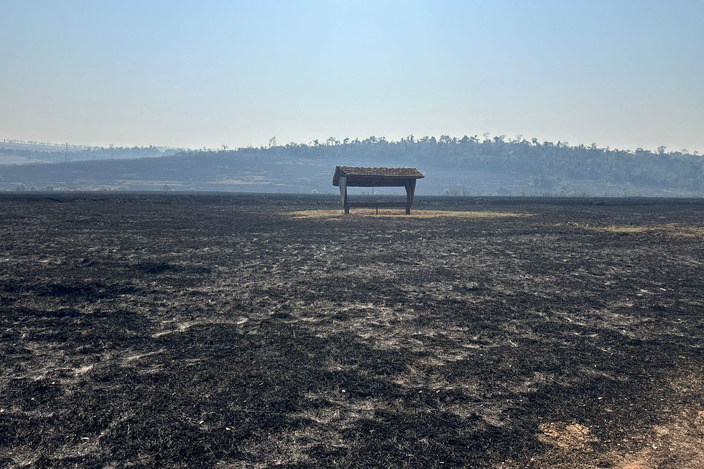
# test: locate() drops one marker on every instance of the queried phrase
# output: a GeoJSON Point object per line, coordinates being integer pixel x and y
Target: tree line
{"type": "Point", "coordinates": [545, 160]}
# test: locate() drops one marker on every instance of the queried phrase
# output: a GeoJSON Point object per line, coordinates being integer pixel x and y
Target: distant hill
{"type": "Point", "coordinates": [14, 152]}
{"type": "Point", "coordinates": [452, 167]}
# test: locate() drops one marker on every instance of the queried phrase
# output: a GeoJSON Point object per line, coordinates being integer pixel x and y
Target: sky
{"type": "Point", "coordinates": [202, 74]}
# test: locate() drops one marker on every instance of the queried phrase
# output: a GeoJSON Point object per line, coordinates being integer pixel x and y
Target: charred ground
{"type": "Point", "coordinates": [221, 331]}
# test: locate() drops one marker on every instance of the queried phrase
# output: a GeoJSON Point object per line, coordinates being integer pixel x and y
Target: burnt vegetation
{"type": "Point", "coordinates": [219, 331]}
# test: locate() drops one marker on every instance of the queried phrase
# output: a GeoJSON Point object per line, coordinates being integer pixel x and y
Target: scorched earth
{"type": "Point", "coordinates": [260, 331]}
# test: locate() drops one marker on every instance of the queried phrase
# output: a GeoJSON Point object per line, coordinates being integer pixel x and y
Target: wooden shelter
{"type": "Point", "coordinates": [346, 176]}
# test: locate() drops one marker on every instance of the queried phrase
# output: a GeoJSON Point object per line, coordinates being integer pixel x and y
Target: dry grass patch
{"type": "Point", "coordinates": [563, 435]}
{"type": "Point", "coordinates": [386, 213]}
{"type": "Point", "coordinates": [677, 442]}
{"type": "Point", "coordinates": [678, 231]}
{"type": "Point", "coordinates": [672, 230]}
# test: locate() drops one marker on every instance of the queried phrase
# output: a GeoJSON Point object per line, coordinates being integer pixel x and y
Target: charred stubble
{"type": "Point", "coordinates": [202, 331]}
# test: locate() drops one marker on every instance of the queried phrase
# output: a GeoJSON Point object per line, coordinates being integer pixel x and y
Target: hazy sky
{"type": "Point", "coordinates": [623, 74]}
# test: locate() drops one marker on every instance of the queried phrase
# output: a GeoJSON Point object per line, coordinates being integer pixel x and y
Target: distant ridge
{"type": "Point", "coordinates": [466, 166]}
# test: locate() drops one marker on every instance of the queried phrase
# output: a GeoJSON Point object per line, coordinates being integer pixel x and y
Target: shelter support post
{"type": "Point", "coordinates": [410, 192]}
{"type": "Point", "coordinates": [343, 193]}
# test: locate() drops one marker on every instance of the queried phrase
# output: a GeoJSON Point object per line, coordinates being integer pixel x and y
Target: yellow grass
{"type": "Point", "coordinates": [388, 213]}
{"type": "Point", "coordinates": [671, 229]}
{"type": "Point", "coordinates": [624, 229]}
{"type": "Point", "coordinates": [686, 231]}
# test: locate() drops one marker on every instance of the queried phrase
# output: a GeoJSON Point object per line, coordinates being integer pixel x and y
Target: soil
{"type": "Point", "coordinates": [232, 331]}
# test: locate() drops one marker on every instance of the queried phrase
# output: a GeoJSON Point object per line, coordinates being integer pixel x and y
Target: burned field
{"type": "Point", "coordinates": [245, 331]}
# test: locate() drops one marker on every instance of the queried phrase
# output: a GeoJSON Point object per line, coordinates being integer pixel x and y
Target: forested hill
{"type": "Point", "coordinates": [452, 166]}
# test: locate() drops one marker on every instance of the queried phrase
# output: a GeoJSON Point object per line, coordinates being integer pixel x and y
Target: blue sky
{"type": "Point", "coordinates": [623, 74]}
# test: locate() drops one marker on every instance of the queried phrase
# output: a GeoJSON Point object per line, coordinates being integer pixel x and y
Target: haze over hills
{"type": "Point", "coordinates": [453, 166]}
{"type": "Point", "coordinates": [13, 152]}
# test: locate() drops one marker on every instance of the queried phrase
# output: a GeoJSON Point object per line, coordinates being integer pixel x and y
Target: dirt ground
{"type": "Point", "coordinates": [234, 331]}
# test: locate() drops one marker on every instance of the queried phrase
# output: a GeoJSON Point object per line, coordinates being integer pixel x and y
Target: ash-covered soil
{"type": "Point", "coordinates": [220, 331]}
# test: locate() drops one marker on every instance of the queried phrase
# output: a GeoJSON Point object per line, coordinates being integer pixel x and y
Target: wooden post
{"type": "Point", "coordinates": [343, 194]}
{"type": "Point", "coordinates": [410, 192]}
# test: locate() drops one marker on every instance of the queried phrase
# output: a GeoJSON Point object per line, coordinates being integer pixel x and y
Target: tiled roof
{"type": "Point", "coordinates": [357, 171]}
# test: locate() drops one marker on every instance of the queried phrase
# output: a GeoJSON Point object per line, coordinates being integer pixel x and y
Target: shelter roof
{"type": "Point", "coordinates": [380, 176]}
